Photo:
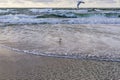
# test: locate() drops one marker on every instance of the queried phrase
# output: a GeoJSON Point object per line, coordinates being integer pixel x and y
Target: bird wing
{"type": "Point", "coordinates": [78, 3]}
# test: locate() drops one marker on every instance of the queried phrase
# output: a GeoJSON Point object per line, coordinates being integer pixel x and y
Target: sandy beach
{"type": "Point", "coordinates": [20, 66]}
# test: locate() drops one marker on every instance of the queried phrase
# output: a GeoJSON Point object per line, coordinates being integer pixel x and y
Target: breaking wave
{"type": "Point", "coordinates": [59, 16]}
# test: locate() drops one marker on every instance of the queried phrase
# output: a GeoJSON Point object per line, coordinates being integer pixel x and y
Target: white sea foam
{"type": "Point", "coordinates": [41, 10]}
{"type": "Point", "coordinates": [4, 11]}
{"type": "Point", "coordinates": [56, 11]}
{"type": "Point", "coordinates": [25, 19]}
{"type": "Point", "coordinates": [12, 16]}
{"type": "Point", "coordinates": [96, 41]}
{"type": "Point", "coordinates": [59, 16]}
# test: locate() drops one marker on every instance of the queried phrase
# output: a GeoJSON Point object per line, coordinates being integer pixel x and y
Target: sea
{"type": "Point", "coordinates": [85, 33]}
{"type": "Point", "coordinates": [59, 16]}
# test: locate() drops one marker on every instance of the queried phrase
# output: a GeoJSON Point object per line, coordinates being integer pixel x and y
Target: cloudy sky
{"type": "Point", "coordinates": [58, 3]}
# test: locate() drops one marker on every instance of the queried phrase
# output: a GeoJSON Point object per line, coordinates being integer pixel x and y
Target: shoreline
{"type": "Point", "coordinates": [77, 57]}
{"type": "Point", "coordinates": [16, 65]}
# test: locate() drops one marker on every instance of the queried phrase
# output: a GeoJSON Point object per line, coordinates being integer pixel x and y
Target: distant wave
{"type": "Point", "coordinates": [59, 16]}
{"type": "Point", "coordinates": [90, 20]}
{"type": "Point", "coordinates": [79, 15]}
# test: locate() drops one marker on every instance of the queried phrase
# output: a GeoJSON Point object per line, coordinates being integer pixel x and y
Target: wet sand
{"type": "Point", "coordinates": [20, 66]}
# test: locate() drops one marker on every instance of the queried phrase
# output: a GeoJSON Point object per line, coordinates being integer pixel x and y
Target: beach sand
{"type": "Point", "coordinates": [20, 66]}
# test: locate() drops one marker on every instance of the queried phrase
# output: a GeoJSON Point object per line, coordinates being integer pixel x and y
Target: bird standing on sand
{"type": "Point", "coordinates": [79, 2]}
{"type": "Point", "coordinates": [60, 41]}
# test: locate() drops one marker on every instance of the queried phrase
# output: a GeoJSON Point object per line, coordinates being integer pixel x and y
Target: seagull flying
{"type": "Point", "coordinates": [79, 2]}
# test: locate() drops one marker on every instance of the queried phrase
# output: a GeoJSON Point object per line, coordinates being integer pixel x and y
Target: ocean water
{"type": "Point", "coordinates": [60, 16]}
{"type": "Point", "coordinates": [86, 41]}
{"type": "Point", "coordinates": [70, 33]}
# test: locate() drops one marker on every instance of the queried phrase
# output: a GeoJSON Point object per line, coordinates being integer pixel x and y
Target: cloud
{"type": "Point", "coordinates": [60, 3]}
{"type": "Point", "coordinates": [101, 1]}
{"type": "Point", "coordinates": [3, 1]}
{"type": "Point", "coordinates": [41, 1]}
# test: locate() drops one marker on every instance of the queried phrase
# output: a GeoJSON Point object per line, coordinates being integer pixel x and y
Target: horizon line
{"type": "Point", "coordinates": [64, 7]}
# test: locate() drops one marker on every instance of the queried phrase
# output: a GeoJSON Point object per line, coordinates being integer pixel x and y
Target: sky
{"type": "Point", "coordinates": [60, 3]}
